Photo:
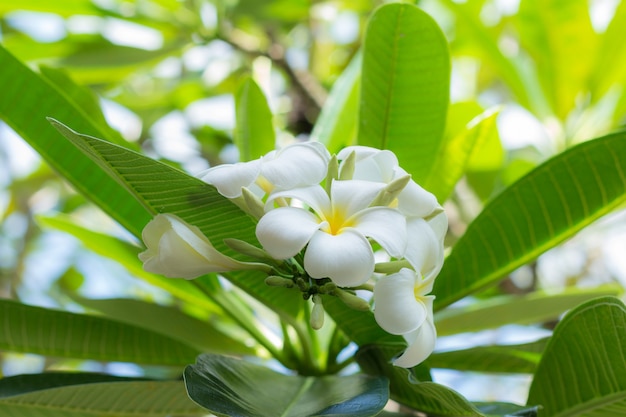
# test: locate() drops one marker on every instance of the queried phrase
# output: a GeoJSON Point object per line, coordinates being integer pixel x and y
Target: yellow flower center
{"type": "Point", "coordinates": [337, 221]}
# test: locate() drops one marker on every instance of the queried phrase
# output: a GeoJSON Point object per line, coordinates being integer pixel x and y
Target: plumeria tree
{"type": "Point", "coordinates": [315, 277]}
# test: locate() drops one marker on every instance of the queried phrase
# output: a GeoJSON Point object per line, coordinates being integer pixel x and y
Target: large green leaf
{"type": "Point", "coordinates": [59, 333]}
{"type": "Point", "coordinates": [254, 136]}
{"type": "Point", "coordinates": [163, 189]}
{"type": "Point", "coordinates": [532, 308]}
{"type": "Point", "coordinates": [337, 123]}
{"type": "Point", "coordinates": [22, 384]}
{"type": "Point", "coordinates": [498, 358]}
{"type": "Point", "coordinates": [25, 102]}
{"type": "Point", "coordinates": [541, 210]}
{"type": "Point", "coordinates": [106, 399]}
{"type": "Point", "coordinates": [63, 8]}
{"type": "Point", "coordinates": [236, 388]}
{"type": "Point", "coordinates": [407, 386]}
{"type": "Point", "coordinates": [404, 86]}
{"type": "Point", "coordinates": [583, 369]}
{"type": "Point", "coordinates": [169, 321]}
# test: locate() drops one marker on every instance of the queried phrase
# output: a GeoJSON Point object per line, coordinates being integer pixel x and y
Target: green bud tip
{"type": "Point", "coordinates": [276, 281]}
{"type": "Point", "coordinates": [317, 313]}
{"type": "Point", "coordinates": [352, 300]}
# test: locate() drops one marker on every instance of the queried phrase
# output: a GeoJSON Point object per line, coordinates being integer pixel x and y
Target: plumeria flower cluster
{"type": "Point", "coordinates": [328, 215]}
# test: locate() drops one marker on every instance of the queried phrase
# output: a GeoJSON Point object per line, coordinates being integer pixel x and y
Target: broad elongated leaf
{"type": "Point", "coordinates": [63, 8]}
{"type": "Point", "coordinates": [255, 131]}
{"type": "Point", "coordinates": [235, 388]}
{"type": "Point", "coordinates": [22, 384]}
{"type": "Point", "coordinates": [163, 189]}
{"type": "Point", "coordinates": [120, 399]}
{"type": "Point", "coordinates": [507, 410]}
{"type": "Point", "coordinates": [499, 358]}
{"type": "Point", "coordinates": [406, 388]}
{"type": "Point", "coordinates": [542, 209]}
{"type": "Point", "coordinates": [583, 371]}
{"type": "Point", "coordinates": [25, 102]}
{"type": "Point", "coordinates": [337, 123]}
{"type": "Point", "coordinates": [59, 333]}
{"type": "Point", "coordinates": [532, 308]}
{"type": "Point", "coordinates": [169, 321]}
{"type": "Point", "coordinates": [404, 86]}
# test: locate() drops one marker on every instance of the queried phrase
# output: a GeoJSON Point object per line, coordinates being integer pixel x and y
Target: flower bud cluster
{"type": "Point", "coordinates": [325, 217]}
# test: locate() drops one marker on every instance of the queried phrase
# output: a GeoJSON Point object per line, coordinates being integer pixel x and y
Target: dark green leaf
{"type": "Point", "coordinates": [22, 384]}
{"type": "Point", "coordinates": [404, 87]}
{"type": "Point", "coordinates": [105, 399]}
{"type": "Point", "coordinates": [507, 410]}
{"type": "Point", "coordinates": [541, 210]}
{"type": "Point", "coordinates": [235, 388]}
{"type": "Point", "coordinates": [407, 388]}
{"type": "Point", "coordinates": [59, 333]}
{"type": "Point", "coordinates": [583, 370]}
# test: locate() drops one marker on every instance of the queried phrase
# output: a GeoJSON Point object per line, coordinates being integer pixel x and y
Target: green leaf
{"type": "Point", "coordinates": [456, 154]}
{"type": "Point", "coordinates": [521, 358]}
{"type": "Point", "coordinates": [119, 399]}
{"type": "Point", "coordinates": [254, 136]}
{"type": "Point", "coordinates": [25, 102]}
{"type": "Point", "coordinates": [235, 388]}
{"type": "Point", "coordinates": [22, 384]}
{"type": "Point", "coordinates": [63, 8]}
{"type": "Point", "coordinates": [337, 123]}
{"type": "Point", "coordinates": [541, 210]}
{"type": "Point", "coordinates": [163, 189]}
{"type": "Point", "coordinates": [58, 333]}
{"type": "Point", "coordinates": [583, 371]}
{"type": "Point", "coordinates": [404, 87]}
{"type": "Point", "coordinates": [168, 321]}
{"type": "Point", "coordinates": [507, 410]}
{"type": "Point", "coordinates": [406, 388]}
{"type": "Point", "coordinates": [532, 308]}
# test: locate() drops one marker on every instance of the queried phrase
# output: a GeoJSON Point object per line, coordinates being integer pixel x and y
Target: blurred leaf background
{"type": "Point", "coordinates": [163, 76]}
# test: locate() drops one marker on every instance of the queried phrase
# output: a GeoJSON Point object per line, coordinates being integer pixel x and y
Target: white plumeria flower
{"type": "Point", "coordinates": [425, 249]}
{"type": "Point", "coordinates": [296, 165]}
{"type": "Point", "coordinates": [402, 307]}
{"type": "Point", "coordinates": [335, 229]}
{"type": "Point", "coordinates": [177, 249]}
{"type": "Point", "coordinates": [382, 166]}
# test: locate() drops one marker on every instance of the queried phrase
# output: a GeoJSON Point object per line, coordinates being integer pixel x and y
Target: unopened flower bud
{"type": "Point", "coordinates": [391, 191]}
{"type": "Point", "coordinates": [246, 248]}
{"type": "Point", "coordinates": [317, 313]}
{"type": "Point", "coordinates": [253, 203]}
{"type": "Point", "coordinates": [347, 167]}
{"type": "Point", "coordinates": [352, 300]}
{"type": "Point", "coordinates": [276, 281]}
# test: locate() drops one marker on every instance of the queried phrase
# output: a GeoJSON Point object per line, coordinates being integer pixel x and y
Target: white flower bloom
{"type": "Point", "coordinates": [425, 250]}
{"type": "Point", "coordinates": [402, 307]}
{"type": "Point", "coordinates": [382, 166]}
{"type": "Point", "coordinates": [177, 249]}
{"type": "Point", "coordinates": [335, 229]}
{"type": "Point", "coordinates": [297, 165]}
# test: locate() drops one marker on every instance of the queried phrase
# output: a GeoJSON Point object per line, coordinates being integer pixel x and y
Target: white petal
{"type": "Point", "coordinates": [439, 224]}
{"type": "Point", "coordinates": [386, 226]}
{"type": "Point", "coordinates": [314, 196]}
{"type": "Point", "coordinates": [284, 231]}
{"type": "Point", "coordinates": [297, 165]}
{"type": "Point", "coordinates": [352, 196]}
{"type": "Point", "coordinates": [396, 309]}
{"type": "Point", "coordinates": [179, 250]}
{"type": "Point", "coordinates": [421, 344]}
{"type": "Point", "coordinates": [230, 178]}
{"type": "Point", "coordinates": [414, 200]}
{"type": "Point", "coordinates": [347, 258]}
{"type": "Point", "coordinates": [424, 249]}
